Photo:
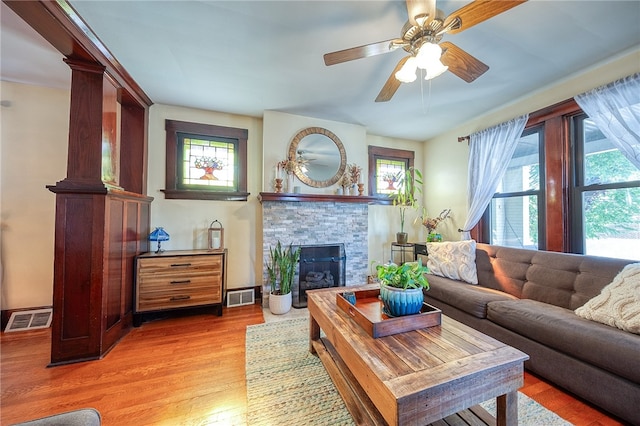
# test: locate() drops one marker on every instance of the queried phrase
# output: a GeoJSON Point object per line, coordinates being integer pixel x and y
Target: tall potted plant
{"type": "Point", "coordinates": [409, 185]}
{"type": "Point", "coordinates": [281, 269]}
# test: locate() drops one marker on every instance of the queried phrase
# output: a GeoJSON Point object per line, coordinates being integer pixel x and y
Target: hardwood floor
{"type": "Point", "coordinates": [178, 371]}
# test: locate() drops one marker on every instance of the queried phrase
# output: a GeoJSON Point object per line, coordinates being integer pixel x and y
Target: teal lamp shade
{"type": "Point", "coordinates": [159, 235]}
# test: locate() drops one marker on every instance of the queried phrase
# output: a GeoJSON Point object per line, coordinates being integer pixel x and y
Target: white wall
{"type": "Point", "coordinates": [446, 160]}
{"type": "Point", "coordinates": [33, 154]}
{"type": "Point", "coordinates": [187, 221]}
{"type": "Point", "coordinates": [384, 221]}
{"type": "Point", "coordinates": [280, 128]}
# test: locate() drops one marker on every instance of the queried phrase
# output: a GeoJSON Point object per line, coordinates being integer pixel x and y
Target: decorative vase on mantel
{"type": "Point", "coordinates": [289, 182]}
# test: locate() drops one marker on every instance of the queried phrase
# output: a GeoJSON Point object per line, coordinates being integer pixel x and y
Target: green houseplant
{"type": "Point", "coordinates": [281, 269]}
{"type": "Point", "coordinates": [409, 185]}
{"type": "Point", "coordinates": [401, 287]}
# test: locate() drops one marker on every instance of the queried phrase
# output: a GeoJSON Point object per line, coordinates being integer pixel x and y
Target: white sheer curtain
{"type": "Point", "coordinates": [489, 154]}
{"type": "Point", "coordinates": [615, 108]}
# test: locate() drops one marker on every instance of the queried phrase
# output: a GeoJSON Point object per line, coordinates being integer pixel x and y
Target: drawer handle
{"type": "Point", "coordinates": [175, 298]}
{"type": "Point", "coordinates": [178, 265]}
{"type": "Point", "coordinates": [181, 282]}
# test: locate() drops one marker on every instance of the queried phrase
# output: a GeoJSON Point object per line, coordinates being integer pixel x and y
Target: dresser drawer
{"type": "Point", "coordinates": [178, 297]}
{"type": "Point", "coordinates": [193, 279]}
{"type": "Point", "coordinates": [177, 265]}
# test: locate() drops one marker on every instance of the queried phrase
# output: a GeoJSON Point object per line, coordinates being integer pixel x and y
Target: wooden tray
{"type": "Point", "coordinates": [367, 312]}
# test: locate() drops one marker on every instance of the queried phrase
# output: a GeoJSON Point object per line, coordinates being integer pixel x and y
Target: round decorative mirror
{"type": "Point", "coordinates": [320, 157]}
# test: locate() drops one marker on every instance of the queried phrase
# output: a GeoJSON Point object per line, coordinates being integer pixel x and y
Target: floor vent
{"type": "Point", "coordinates": [29, 320]}
{"type": "Point", "coordinates": [240, 297]}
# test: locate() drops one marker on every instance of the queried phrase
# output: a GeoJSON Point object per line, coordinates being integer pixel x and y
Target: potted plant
{"type": "Point", "coordinates": [432, 223]}
{"type": "Point", "coordinates": [401, 287]}
{"type": "Point", "coordinates": [409, 183]}
{"type": "Point", "coordinates": [281, 269]}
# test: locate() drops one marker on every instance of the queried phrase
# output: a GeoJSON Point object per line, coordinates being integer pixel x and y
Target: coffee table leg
{"type": "Point", "coordinates": [507, 409]}
{"type": "Point", "coordinates": [314, 333]}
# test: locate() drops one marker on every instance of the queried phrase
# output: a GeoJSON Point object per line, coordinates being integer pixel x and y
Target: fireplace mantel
{"type": "Point", "coordinates": [297, 197]}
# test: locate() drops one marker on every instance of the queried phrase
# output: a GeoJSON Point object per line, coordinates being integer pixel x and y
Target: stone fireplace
{"type": "Point", "coordinates": [318, 223]}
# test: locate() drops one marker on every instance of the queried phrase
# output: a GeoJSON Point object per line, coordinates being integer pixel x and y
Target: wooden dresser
{"type": "Point", "coordinates": [179, 279]}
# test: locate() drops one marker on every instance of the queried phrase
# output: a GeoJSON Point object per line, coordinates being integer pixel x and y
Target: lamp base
{"type": "Point", "coordinates": [160, 249]}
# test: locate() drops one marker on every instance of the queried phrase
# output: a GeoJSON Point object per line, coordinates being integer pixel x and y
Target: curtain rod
{"type": "Point", "coordinates": [463, 138]}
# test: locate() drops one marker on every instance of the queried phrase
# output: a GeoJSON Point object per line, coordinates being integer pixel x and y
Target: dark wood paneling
{"type": "Point", "coordinates": [84, 158]}
{"type": "Point", "coordinates": [556, 184]}
{"type": "Point", "coordinates": [115, 254]}
{"type": "Point", "coordinates": [97, 239]}
{"type": "Point", "coordinates": [77, 279]}
{"type": "Point", "coordinates": [133, 137]}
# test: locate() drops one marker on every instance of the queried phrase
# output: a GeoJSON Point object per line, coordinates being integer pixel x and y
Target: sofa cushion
{"type": "Point", "coordinates": [618, 305]}
{"type": "Point", "coordinates": [471, 299]}
{"type": "Point", "coordinates": [562, 279]}
{"type": "Point", "coordinates": [561, 329]}
{"type": "Point", "coordinates": [453, 259]}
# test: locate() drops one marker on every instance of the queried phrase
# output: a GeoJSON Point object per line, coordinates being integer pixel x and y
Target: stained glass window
{"type": "Point", "coordinates": [386, 167]}
{"type": "Point", "coordinates": [388, 173]}
{"type": "Point", "coordinates": [208, 162]}
{"type": "Point", "coordinates": [205, 162]}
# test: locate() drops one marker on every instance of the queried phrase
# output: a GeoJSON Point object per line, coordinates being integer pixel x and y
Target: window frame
{"type": "Point", "coordinates": [173, 186]}
{"type": "Point", "coordinates": [380, 153]}
{"type": "Point", "coordinates": [579, 187]}
{"type": "Point", "coordinates": [486, 220]}
{"type": "Point", "coordinates": [560, 207]}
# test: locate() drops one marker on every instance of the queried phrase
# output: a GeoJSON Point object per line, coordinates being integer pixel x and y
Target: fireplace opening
{"type": "Point", "coordinates": [321, 266]}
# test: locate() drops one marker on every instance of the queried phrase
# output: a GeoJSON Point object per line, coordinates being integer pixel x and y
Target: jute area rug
{"type": "Point", "coordinates": [286, 385]}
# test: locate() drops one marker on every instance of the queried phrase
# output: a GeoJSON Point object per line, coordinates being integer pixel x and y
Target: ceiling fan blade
{"type": "Point", "coordinates": [461, 63]}
{"type": "Point", "coordinates": [391, 86]}
{"type": "Point", "coordinates": [421, 11]}
{"type": "Point", "coordinates": [479, 11]}
{"type": "Point", "coordinates": [358, 52]}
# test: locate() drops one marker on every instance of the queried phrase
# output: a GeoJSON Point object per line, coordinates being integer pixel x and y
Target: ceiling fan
{"type": "Point", "coordinates": [421, 38]}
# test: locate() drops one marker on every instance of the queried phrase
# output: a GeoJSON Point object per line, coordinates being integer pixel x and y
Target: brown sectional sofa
{"type": "Point", "coordinates": [527, 298]}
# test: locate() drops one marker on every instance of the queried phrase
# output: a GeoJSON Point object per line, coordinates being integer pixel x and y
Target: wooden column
{"type": "Point", "coordinates": [100, 227]}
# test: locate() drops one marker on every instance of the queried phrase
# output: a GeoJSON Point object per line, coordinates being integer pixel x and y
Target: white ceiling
{"type": "Point", "coordinates": [245, 57]}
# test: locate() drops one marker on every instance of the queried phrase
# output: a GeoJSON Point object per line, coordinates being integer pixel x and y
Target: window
{"type": "Point", "coordinates": [206, 162]}
{"type": "Point", "coordinates": [386, 166]}
{"type": "Point", "coordinates": [514, 215]}
{"type": "Point", "coordinates": [588, 201]}
{"type": "Point", "coordinates": [606, 196]}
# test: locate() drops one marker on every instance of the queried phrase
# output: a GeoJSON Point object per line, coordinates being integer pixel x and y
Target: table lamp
{"type": "Point", "coordinates": [159, 235]}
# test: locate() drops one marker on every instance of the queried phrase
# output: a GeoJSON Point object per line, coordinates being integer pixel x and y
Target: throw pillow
{"type": "Point", "coordinates": [453, 259]}
{"type": "Point", "coordinates": [618, 304]}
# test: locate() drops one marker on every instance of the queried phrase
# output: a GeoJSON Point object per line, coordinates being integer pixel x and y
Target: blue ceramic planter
{"type": "Point", "coordinates": [398, 302]}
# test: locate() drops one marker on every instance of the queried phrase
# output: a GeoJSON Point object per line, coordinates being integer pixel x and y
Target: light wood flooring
{"type": "Point", "coordinates": [178, 371]}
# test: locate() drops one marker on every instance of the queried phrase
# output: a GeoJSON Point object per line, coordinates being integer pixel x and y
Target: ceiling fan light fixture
{"type": "Point", "coordinates": [428, 55]}
{"type": "Point", "coordinates": [435, 70]}
{"type": "Point", "coordinates": [407, 73]}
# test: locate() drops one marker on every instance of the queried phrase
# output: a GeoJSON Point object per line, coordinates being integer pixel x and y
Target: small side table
{"type": "Point", "coordinates": [420, 249]}
{"type": "Point", "coordinates": [402, 250]}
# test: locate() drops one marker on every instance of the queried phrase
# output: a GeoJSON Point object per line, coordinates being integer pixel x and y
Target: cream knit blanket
{"type": "Point", "coordinates": [618, 304]}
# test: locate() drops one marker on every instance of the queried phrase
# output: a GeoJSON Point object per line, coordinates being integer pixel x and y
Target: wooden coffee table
{"type": "Point", "coordinates": [417, 377]}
